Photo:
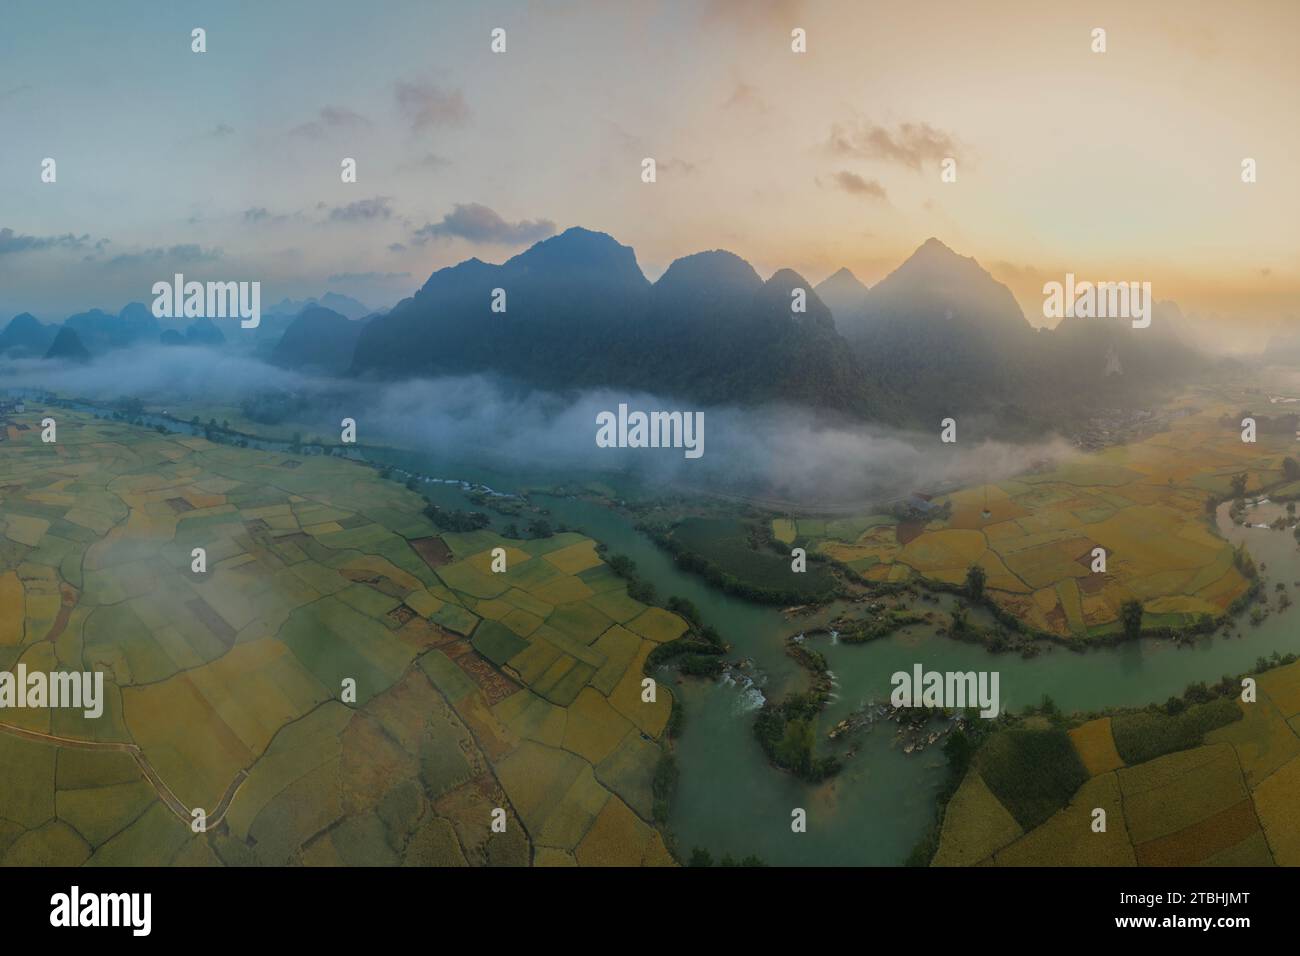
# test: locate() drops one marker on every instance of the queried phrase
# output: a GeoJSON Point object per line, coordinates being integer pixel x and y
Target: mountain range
{"type": "Point", "coordinates": [938, 336]}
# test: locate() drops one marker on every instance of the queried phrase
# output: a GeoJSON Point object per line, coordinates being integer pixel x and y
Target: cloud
{"type": "Point", "coordinates": [855, 185]}
{"type": "Point", "coordinates": [11, 242]}
{"type": "Point", "coordinates": [623, 140]}
{"type": "Point", "coordinates": [329, 119]}
{"type": "Point", "coordinates": [180, 254]}
{"type": "Point", "coordinates": [745, 96]}
{"type": "Point", "coordinates": [673, 164]}
{"type": "Point", "coordinates": [631, 144]}
{"type": "Point", "coordinates": [772, 452]}
{"type": "Point", "coordinates": [367, 276]}
{"type": "Point", "coordinates": [397, 247]}
{"type": "Point", "coordinates": [425, 105]}
{"type": "Point", "coordinates": [219, 132]}
{"type": "Point", "coordinates": [15, 91]}
{"type": "Point", "coordinates": [910, 145]}
{"type": "Point", "coordinates": [363, 210]}
{"type": "Point", "coordinates": [474, 222]}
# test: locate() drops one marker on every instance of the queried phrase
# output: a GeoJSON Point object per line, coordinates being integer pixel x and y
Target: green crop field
{"type": "Point", "coordinates": [225, 689]}
{"type": "Point", "coordinates": [1142, 503]}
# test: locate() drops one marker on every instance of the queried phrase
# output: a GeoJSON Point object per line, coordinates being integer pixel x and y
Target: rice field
{"type": "Point", "coordinates": [1034, 536]}
{"type": "Point", "coordinates": [322, 691]}
{"type": "Point", "coordinates": [1228, 799]}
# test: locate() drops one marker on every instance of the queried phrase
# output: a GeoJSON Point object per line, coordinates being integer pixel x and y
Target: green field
{"type": "Point", "coordinates": [1143, 504]}
{"type": "Point", "coordinates": [474, 691]}
{"type": "Point", "coordinates": [1212, 784]}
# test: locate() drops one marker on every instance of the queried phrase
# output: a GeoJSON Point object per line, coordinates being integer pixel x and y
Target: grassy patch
{"type": "Point", "coordinates": [1032, 772]}
{"type": "Point", "coordinates": [1149, 734]}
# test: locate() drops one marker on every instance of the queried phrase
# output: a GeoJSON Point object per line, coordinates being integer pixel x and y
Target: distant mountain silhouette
{"type": "Point", "coordinates": [843, 294]}
{"type": "Point", "coordinates": [344, 305]}
{"type": "Point", "coordinates": [26, 336]}
{"type": "Point", "coordinates": [318, 339]}
{"type": "Point", "coordinates": [67, 345]}
{"type": "Point", "coordinates": [946, 338]}
{"type": "Point", "coordinates": [1080, 351]}
{"type": "Point", "coordinates": [580, 313]}
{"type": "Point", "coordinates": [204, 332]}
{"type": "Point", "coordinates": [937, 337]}
{"type": "Point", "coordinates": [942, 331]}
{"type": "Point", "coordinates": [101, 331]}
{"type": "Point", "coordinates": [138, 324]}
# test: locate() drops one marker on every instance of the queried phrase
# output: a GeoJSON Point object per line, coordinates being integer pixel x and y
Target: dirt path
{"type": "Point", "coordinates": [160, 787]}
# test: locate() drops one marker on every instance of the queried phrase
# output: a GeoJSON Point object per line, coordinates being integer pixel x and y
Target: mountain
{"type": "Point", "coordinates": [344, 305]}
{"type": "Point", "coordinates": [570, 305]}
{"type": "Point", "coordinates": [843, 294]}
{"type": "Point", "coordinates": [96, 330]}
{"type": "Point", "coordinates": [138, 324]}
{"type": "Point", "coordinates": [580, 313]}
{"type": "Point", "coordinates": [26, 336]}
{"type": "Point", "coordinates": [943, 333]}
{"type": "Point", "coordinates": [1081, 353]}
{"type": "Point", "coordinates": [204, 332]}
{"type": "Point", "coordinates": [721, 334]}
{"type": "Point", "coordinates": [318, 339]}
{"type": "Point", "coordinates": [947, 338]}
{"type": "Point", "coordinates": [101, 331]}
{"type": "Point", "coordinates": [67, 345]}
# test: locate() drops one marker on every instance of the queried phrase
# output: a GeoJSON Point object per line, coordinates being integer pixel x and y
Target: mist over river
{"type": "Point", "coordinates": [730, 800]}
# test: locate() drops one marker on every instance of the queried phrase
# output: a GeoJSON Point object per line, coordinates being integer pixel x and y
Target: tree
{"type": "Point", "coordinates": [1130, 613]}
{"type": "Point", "coordinates": [975, 578]}
{"type": "Point", "coordinates": [1291, 469]}
{"type": "Point", "coordinates": [701, 857]}
{"type": "Point", "coordinates": [1243, 562]}
{"type": "Point", "coordinates": [1238, 485]}
{"type": "Point", "coordinates": [959, 749]}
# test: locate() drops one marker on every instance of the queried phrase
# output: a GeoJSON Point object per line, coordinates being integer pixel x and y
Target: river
{"type": "Point", "coordinates": [731, 801]}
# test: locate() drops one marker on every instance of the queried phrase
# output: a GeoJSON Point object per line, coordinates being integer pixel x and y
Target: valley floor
{"type": "Point", "coordinates": [514, 695]}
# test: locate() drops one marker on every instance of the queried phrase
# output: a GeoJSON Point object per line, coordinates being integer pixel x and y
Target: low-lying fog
{"type": "Point", "coordinates": [778, 453]}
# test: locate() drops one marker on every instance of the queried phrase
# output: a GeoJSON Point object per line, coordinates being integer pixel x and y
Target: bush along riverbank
{"type": "Point", "coordinates": [787, 729]}
{"type": "Point", "coordinates": [741, 558]}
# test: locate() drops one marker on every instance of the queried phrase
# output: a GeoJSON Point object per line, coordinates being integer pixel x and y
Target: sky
{"type": "Point", "coordinates": [225, 165]}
